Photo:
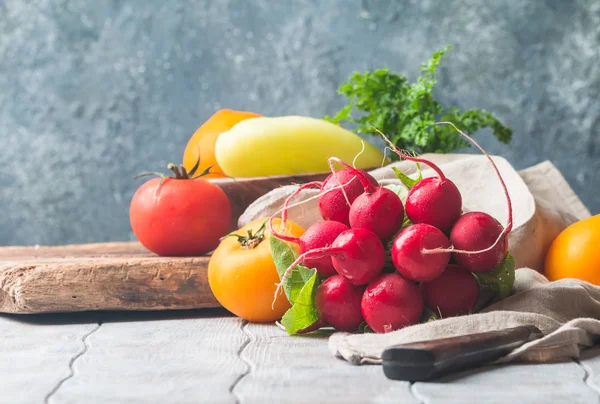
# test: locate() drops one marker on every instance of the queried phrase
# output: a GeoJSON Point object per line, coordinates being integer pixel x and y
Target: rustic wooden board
{"type": "Point", "coordinates": [119, 276]}
{"type": "Point", "coordinates": [105, 276]}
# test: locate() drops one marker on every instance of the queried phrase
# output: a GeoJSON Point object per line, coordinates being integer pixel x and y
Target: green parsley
{"type": "Point", "coordinates": [407, 112]}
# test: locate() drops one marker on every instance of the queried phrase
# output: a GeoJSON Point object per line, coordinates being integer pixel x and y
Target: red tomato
{"type": "Point", "coordinates": [181, 217]}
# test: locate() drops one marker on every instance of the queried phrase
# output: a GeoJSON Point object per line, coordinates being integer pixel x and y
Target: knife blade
{"type": "Point", "coordinates": [426, 360]}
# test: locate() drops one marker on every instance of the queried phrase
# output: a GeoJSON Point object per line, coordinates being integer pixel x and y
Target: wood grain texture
{"type": "Point", "coordinates": [590, 361]}
{"type": "Point", "coordinates": [207, 357]}
{"type": "Point", "coordinates": [301, 369]}
{"type": "Point", "coordinates": [111, 276]}
{"type": "Point", "coordinates": [562, 382]}
{"type": "Point", "coordinates": [192, 360]}
{"type": "Point", "coordinates": [243, 191]}
{"type": "Point", "coordinates": [35, 357]}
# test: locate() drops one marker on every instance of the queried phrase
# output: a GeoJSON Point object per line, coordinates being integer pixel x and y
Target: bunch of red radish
{"type": "Point", "coordinates": [434, 257]}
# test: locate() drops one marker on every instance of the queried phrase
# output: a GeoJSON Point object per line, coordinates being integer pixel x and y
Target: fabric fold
{"type": "Point", "coordinates": [566, 311]}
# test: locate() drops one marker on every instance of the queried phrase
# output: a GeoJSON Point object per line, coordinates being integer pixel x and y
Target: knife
{"type": "Point", "coordinates": [426, 360]}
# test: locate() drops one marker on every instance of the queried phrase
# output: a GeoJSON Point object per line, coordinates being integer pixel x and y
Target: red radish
{"type": "Point", "coordinates": [356, 254]}
{"type": "Point", "coordinates": [470, 241]}
{"type": "Point", "coordinates": [331, 189]}
{"type": "Point", "coordinates": [334, 205]}
{"type": "Point", "coordinates": [435, 201]}
{"type": "Point", "coordinates": [377, 209]}
{"type": "Point", "coordinates": [391, 302]}
{"type": "Point", "coordinates": [409, 252]}
{"type": "Point", "coordinates": [475, 231]}
{"type": "Point", "coordinates": [453, 293]}
{"type": "Point", "coordinates": [338, 304]}
{"type": "Point", "coordinates": [380, 211]}
{"type": "Point", "coordinates": [320, 234]}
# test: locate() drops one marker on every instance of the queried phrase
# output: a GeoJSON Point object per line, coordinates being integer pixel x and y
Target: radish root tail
{"type": "Point", "coordinates": [363, 180]}
{"type": "Point", "coordinates": [285, 207]}
{"type": "Point", "coordinates": [313, 184]}
{"type": "Point", "coordinates": [334, 173]}
{"type": "Point", "coordinates": [359, 153]}
{"type": "Point", "coordinates": [284, 210]}
{"type": "Point", "coordinates": [385, 150]}
{"type": "Point", "coordinates": [509, 225]}
{"type": "Point", "coordinates": [405, 156]}
{"type": "Point", "coordinates": [504, 187]}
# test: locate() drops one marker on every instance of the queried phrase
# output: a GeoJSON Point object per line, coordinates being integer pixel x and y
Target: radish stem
{"type": "Point", "coordinates": [284, 213]}
{"type": "Point", "coordinates": [411, 158]}
{"type": "Point", "coordinates": [509, 225]}
{"type": "Point", "coordinates": [334, 173]}
{"type": "Point", "coordinates": [369, 188]}
{"type": "Point", "coordinates": [504, 187]}
{"type": "Point", "coordinates": [285, 207]}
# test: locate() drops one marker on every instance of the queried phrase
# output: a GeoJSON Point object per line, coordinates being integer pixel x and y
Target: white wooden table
{"type": "Point", "coordinates": [207, 356]}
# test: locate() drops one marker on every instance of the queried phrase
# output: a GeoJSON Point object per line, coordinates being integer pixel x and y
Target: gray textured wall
{"type": "Point", "coordinates": [92, 92]}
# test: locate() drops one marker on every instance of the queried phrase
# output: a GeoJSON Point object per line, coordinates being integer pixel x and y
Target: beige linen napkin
{"type": "Point", "coordinates": [567, 311]}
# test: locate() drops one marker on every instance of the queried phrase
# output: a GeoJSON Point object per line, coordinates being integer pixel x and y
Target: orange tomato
{"type": "Point", "coordinates": [242, 274]}
{"type": "Point", "coordinates": [575, 253]}
{"type": "Point", "coordinates": [202, 143]}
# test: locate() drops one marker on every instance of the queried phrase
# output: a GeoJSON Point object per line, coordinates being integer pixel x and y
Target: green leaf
{"type": "Point", "coordinates": [364, 328]}
{"type": "Point", "coordinates": [399, 190]}
{"type": "Point", "coordinates": [284, 254]}
{"type": "Point", "coordinates": [402, 192]}
{"type": "Point", "coordinates": [304, 311]}
{"type": "Point", "coordinates": [407, 112]}
{"type": "Point", "coordinates": [405, 179]}
{"type": "Point", "coordinates": [420, 176]}
{"type": "Point", "coordinates": [499, 280]}
{"type": "Point", "coordinates": [429, 315]}
{"type": "Point", "coordinates": [343, 115]}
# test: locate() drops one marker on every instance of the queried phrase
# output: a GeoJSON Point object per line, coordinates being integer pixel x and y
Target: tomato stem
{"type": "Point", "coordinates": [179, 171]}
{"type": "Point", "coordinates": [147, 174]}
{"type": "Point", "coordinates": [252, 240]}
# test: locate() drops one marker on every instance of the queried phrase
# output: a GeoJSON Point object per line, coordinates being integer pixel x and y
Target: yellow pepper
{"type": "Point", "coordinates": [289, 145]}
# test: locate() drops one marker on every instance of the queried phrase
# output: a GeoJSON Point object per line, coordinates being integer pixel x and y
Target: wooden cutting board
{"type": "Point", "coordinates": [105, 276]}
{"type": "Point", "coordinates": [118, 276]}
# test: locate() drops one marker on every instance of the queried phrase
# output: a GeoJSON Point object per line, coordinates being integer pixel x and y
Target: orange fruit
{"type": "Point", "coordinates": [575, 253]}
{"type": "Point", "coordinates": [202, 143]}
{"type": "Point", "coordinates": [242, 274]}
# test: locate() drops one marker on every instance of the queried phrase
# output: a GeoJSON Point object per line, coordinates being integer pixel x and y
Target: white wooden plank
{"type": "Point", "coordinates": [137, 358]}
{"type": "Point", "coordinates": [517, 383]}
{"type": "Point", "coordinates": [299, 369]}
{"type": "Point", "coordinates": [35, 352]}
{"type": "Point", "coordinates": [178, 360]}
{"type": "Point", "coordinates": [590, 361]}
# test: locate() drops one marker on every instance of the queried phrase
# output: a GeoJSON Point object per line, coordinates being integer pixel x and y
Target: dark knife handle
{"type": "Point", "coordinates": [420, 361]}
